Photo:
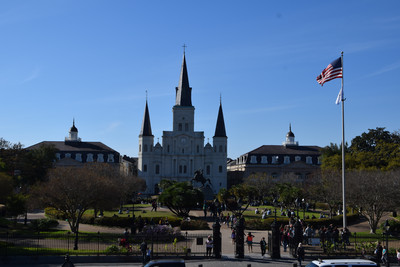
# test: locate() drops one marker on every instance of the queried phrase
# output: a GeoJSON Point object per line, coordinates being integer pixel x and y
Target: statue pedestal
{"type": "Point", "coordinates": [207, 192]}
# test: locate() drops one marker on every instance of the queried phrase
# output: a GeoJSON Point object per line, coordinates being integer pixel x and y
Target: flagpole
{"type": "Point", "coordinates": [343, 158]}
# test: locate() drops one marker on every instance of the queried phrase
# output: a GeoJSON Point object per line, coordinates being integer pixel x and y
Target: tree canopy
{"type": "Point", "coordinates": [377, 149]}
{"type": "Point", "coordinates": [180, 197]}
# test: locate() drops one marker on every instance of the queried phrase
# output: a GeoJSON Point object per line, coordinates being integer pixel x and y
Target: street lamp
{"type": "Point", "coordinates": [387, 227]}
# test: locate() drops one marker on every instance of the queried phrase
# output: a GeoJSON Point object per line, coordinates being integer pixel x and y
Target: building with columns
{"type": "Point", "coordinates": [182, 151]}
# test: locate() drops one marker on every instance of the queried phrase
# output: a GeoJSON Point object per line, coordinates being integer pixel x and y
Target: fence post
{"type": "Point", "coordinates": [355, 240]}
{"type": "Point", "coordinates": [217, 239]}
{"type": "Point", "coordinates": [186, 239]}
{"type": "Point", "coordinates": [7, 244]}
{"type": "Point", "coordinates": [275, 246]}
{"type": "Point", "coordinates": [68, 233]}
{"type": "Point", "coordinates": [98, 243]}
{"type": "Point", "coordinates": [37, 244]}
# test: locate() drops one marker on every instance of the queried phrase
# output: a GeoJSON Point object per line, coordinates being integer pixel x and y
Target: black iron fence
{"type": "Point", "coordinates": [355, 246]}
{"type": "Point", "coordinates": [102, 244]}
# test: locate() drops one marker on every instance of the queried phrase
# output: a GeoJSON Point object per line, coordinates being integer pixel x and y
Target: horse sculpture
{"type": "Point", "coordinates": [198, 177]}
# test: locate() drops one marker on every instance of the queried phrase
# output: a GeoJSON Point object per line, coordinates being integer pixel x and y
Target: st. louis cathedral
{"type": "Point", "coordinates": [182, 151]}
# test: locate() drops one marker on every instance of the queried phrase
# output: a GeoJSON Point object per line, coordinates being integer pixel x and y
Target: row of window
{"type": "Point", "coordinates": [89, 157]}
{"type": "Point", "coordinates": [145, 149]}
{"type": "Point", "coordinates": [182, 169]}
{"type": "Point", "coordinates": [276, 159]}
{"type": "Point", "coordinates": [299, 176]}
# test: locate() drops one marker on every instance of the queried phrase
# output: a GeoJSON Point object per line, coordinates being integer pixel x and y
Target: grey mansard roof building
{"type": "Point", "coordinates": [182, 151]}
{"type": "Point", "coordinates": [74, 152]}
{"type": "Point", "coordinates": [277, 160]}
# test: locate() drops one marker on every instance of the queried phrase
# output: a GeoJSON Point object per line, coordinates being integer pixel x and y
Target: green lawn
{"type": "Point", "coordinates": [144, 210]}
{"type": "Point", "coordinates": [249, 213]}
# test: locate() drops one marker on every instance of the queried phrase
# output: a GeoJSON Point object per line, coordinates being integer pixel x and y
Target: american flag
{"type": "Point", "coordinates": [333, 71]}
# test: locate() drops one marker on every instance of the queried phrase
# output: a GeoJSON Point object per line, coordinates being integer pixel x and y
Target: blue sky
{"type": "Point", "coordinates": [94, 60]}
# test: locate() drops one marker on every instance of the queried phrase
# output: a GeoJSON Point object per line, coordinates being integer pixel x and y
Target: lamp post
{"type": "Point", "coordinates": [304, 209]}
{"type": "Point", "coordinates": [387, 227]}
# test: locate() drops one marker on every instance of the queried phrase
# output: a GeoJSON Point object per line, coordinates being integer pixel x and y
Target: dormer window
{"type": "Point", "coordinates": [78, 157]}
{"type": "Point", "coordinates": [110, 158]}
{"type": "Point", "coordinates": [89, 157]}
{"type": "Point", "coordinates": [286, 160]}
{"type": "Point", "coordinates": [100, 158]}
{"type": "Point", "coordinates": [275, 159]}
{"type": "Point", "coordinates": [297, 158]}
{"type": "Point", "coordinates": [253, 159]}
{"type": "Point", "coordinates": [309, 160]}
{"type": "Point", "coordinates": [264, 160]}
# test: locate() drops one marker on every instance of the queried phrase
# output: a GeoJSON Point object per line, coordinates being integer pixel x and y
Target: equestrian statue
{"type": "Point", "coordinates": [199, 178]}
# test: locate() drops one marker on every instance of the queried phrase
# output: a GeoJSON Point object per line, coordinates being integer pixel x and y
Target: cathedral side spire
{"type": "Point", "coordinates": [220, 127]}
{"type": "Point", "coordinates": [183, 91]}
{"type": "Point", "coordinates": [146, 126]}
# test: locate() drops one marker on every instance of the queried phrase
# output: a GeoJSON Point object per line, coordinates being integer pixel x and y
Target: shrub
{"type": "Point", "coordinates": [194, 225]}
{"type": "Point", "coordinates": [44, 224]}
{"type": "Point", "coordinates": [113, 249]}
{"type": "Point", "coordinates": [4, 222]}
{"type": "Point", "coordinates": [114, 221]}
{"type": "Point", "coordinates": [394, 226]}
{"type": "Point", "coordinates": [322, 206]}
{"type": "Point", "coordinates": [54, 213]}
{"type": "Point", "coordinates": [260, 224]}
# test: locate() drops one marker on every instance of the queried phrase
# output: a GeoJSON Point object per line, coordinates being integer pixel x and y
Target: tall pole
{"type": "Point", "coordinates": [343, 147]}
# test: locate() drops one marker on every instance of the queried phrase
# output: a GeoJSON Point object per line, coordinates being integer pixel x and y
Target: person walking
{"type": "Point", "coordinates": [263, 246]}
{"type": "Point", "coordinates": [378, 252]}
{"type": "Point", "coordinates": [209, 246]}
{"type": "Point", "coordinates": [384, 257]}
{"type": "Point", "coordinates": [300, 253]}
{"type": "Point", "coordinates": [249, 241]}
{"type": "Point", "coordinates": [233, 236]}
{"type": "Point", "coordinates": [143, 249]}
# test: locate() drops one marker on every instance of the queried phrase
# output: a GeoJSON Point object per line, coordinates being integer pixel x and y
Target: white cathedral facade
{"type": "Point", "coordinates": [182, 151]}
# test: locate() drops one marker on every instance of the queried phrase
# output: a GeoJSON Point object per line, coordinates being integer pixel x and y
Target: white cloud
{"type": "Point", "coordinates": [32, 76]}
{"type": "Point", "coordinates": [385, 69]}
{"type": "Point", "coordinates": [113, 126]}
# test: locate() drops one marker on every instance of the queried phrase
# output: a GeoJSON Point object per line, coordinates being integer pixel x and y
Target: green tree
{"type": "Point", "coordinates": [376, 149]}
{"type": "Point", "coordinates": [6, 187]}
{"type": "Point", "coordinates": [35, 164]}
{"type": "Point", "coordinates": [236, 197]}
{"type": "Point", "coordinates": [16, 205]}
{"type": "Point", "coordinates": [288, 193]}
{"type": "Point", "coordinates": [180, 197]}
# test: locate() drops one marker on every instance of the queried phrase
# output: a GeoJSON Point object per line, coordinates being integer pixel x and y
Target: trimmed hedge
{"type": "Point", "coordinates": [194, 225]}
{"type": "Point", "coordinates": [260, 224]}
{"type": "Point", "coordinates": [114, 221]}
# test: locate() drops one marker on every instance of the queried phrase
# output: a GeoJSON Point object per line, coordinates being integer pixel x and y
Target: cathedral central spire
{"type": "Point", "coordinates": [183, 91]}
